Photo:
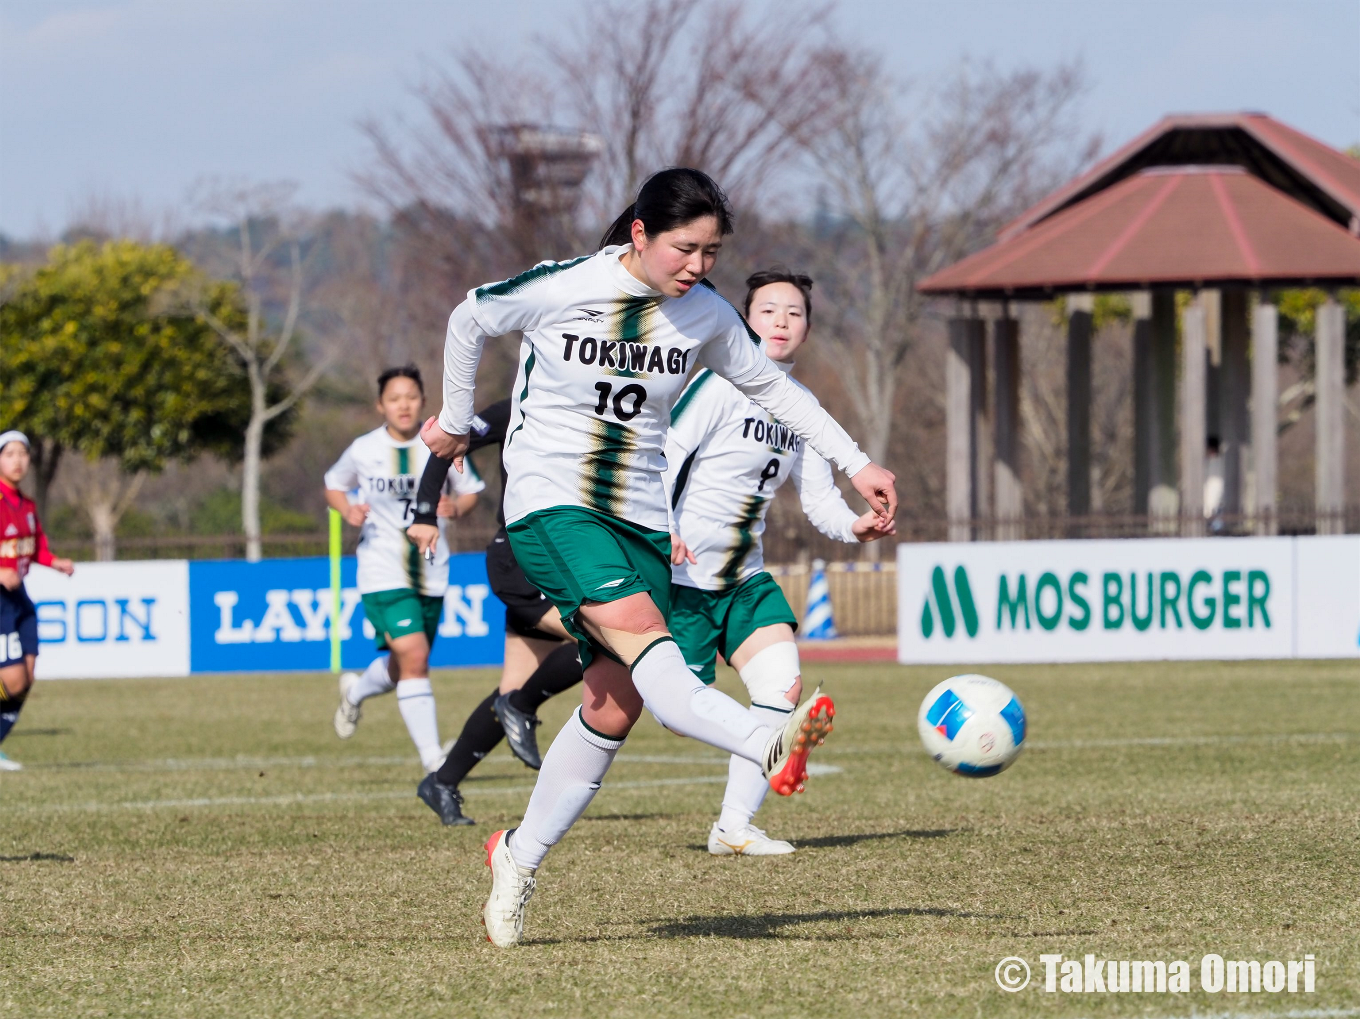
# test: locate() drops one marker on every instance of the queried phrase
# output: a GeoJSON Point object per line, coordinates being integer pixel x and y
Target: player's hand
{"type": "Point", "coordinates": [63, 565]}
{"type": "Point", "coordinates": [448, 507]}
{"type": "Point", "coordinates": [870, 527]}
{"type": "Point", "coordinates": [355, 514]}
{"type": "Point", "coordinates": [680, 552]}
{"type": "Point", "coordinates": [442, 444]}
{"type": "Point", "coordinates": [10, 579]}
{"type": "Point", "coordinates": [423, 536]}
{"type": "Point", "coordinates": [878, 486]}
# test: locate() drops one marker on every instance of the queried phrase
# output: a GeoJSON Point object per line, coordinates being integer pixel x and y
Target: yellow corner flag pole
{"type": "Point", "coordinates": [335, 591]}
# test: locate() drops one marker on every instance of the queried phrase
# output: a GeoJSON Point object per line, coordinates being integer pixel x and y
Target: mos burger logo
{"type": "Point", "coordinates": [1140, 600]}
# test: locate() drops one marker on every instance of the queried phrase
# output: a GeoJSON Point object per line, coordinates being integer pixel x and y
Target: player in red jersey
{"type": "Point", "coordinates": [22, 543]}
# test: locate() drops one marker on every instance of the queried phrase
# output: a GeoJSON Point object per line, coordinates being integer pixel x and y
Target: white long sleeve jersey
{"type": "Point", "coordinates": [385, 473]}
{"type": "Point", "coordinates": [725, 460]}
{"type": "Point", "coordinates": [602, 360]}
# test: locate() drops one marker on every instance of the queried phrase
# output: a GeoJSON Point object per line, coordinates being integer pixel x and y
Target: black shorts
{"type": "Point", "coordinates": [524, 603]}
{"type": "Point", "coordinates": [18, 626]}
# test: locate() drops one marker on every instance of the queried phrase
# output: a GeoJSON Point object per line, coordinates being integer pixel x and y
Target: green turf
{"type": "Point", "coordinates": [207, 847]}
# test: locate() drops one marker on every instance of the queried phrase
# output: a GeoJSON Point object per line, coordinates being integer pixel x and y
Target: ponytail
{"type": "Point", "coordinates": [669, 199]}
{"type": "Point", "coordinates": [621, 230]}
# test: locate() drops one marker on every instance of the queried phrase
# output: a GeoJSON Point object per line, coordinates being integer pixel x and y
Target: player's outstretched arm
{"type": "Point", "coordinates": [736, 359]}
{"type": "Point", "coordinates": [827, 509]}
{"type": "Point", "coordinates": [878, 485]}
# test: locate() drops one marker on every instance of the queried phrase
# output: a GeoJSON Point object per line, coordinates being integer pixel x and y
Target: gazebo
{"type": "Point", "coordinates": [1224, 205]}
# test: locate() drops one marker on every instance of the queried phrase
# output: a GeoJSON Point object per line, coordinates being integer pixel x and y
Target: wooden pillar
{"type": "Point", "coordinates": [1079, 316]}
{"type": "Point", "coordinates": [1192, 420]}
{"type": "Point", "coordinates": [982, 426]}
{"type": "Point", "coordinates": [1331, 418]}
{"type": "Point", "coordinates": [1212, 302]}
{"type": "Point", "coordinates": [1142, 400]}
{"type": "Point", "coordinates": [1264, 386]}
{"type": "Point", "coordinates": [1234, 378]}
{"type": "Point", "coordinates": [963, 387]}
{"type": "Point", "coordinates": [1008, 497]}
{"type": "Point", "coordinates": [1163, 502]}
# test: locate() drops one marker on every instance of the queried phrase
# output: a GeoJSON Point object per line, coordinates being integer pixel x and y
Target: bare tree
{"type": "Point", "coordinates": [104, 492]}
{"type": "Point", "coordinates": [704, 84]}
{"type": "Point", "coordinates": [916, 186]}
{"type": "Point", "coordinates": [259, 215]}
{"type": "Point", "coordinates": [449, 175]}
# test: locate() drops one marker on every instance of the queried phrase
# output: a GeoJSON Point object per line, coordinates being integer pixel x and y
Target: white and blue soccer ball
{"type": "Point", "coordinates": [973, 725]}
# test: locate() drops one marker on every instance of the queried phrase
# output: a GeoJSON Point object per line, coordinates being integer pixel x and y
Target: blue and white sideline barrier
{"type": "Point", "coordinates": [817, 622]}
{"type": "Point", "coordinates": [177, 617]}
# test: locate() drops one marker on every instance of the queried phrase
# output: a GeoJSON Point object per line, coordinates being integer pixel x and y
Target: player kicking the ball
{"type": "Point", "coordinates": [725, 459]}
{"type": "Point", "coordinates": [403, 594]}
{"type": "Point", "coordinates": [608, 341]}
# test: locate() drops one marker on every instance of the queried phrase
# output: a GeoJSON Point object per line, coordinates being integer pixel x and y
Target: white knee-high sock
{"type": "Point", "coordinates": [746, 782]}
{"type": "Point", "coordinates": [683, 704]}
{"type": "Point", "coordinates": [373, 680]}
{"type": "Point", "coordinates": [415, 701]}
{"type": "Point", "coordinates": [572, 772]}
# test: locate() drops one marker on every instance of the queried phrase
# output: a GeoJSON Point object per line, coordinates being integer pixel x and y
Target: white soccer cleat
{"type": "Point", "coordinates": [347, 714]}
{"type": "Point", "coordinates": [746, 841]}
{"type": "Point", "coordinates": [8, 765]}
{"type": "Point", "coordinates": [787, 751]}
{"type": "Point", "coordinates": [512, 886]}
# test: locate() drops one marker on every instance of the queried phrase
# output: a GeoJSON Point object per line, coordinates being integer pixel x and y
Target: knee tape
{"type": "Point", "coordinates": [628, 647]}
{"type": "Point", "coordinates": [771, 673]}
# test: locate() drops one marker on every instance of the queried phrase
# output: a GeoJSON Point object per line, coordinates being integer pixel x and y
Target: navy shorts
{"type": "Point", "coordinates": [18, 626]}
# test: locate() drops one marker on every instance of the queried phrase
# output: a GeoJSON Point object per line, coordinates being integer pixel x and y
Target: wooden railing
{"type": "Point", "coordinates": [863, 595]}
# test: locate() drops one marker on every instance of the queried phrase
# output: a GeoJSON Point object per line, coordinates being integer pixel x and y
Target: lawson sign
{"type": "Point", "coordinates": [173, 618]}
{"type": "Point", "coordinates": [1130, 600]}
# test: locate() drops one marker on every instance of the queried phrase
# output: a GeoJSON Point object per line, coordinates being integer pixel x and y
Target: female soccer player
{"type": "Point", "coordinates": [608, 340]}
{"type": "Point", "coordinates": [725, 459]}
{"type": "Point", "coordinates": [403, 594]}
{"type": "Point", "coordinates": [22, 543]}
{"type": "Point", "coordinates": [540, 656]}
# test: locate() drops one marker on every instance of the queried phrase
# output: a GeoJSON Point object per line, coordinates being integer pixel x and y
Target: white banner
{"type": "Point", "coordinates": [1327, 582]}
{"type": "Point", "coordinates": [112, 620]}
{"type": "Point", "coordinates": [1131, 600]}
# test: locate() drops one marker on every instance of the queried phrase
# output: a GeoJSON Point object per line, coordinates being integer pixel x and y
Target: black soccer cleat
{"type": "Point", "coordinates": [444, 800]}
{"type": "Point", "coordinates": [519, 731]}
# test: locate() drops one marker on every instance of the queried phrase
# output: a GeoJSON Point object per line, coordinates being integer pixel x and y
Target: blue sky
{"type": "Point", "coordinates": [135, 100]}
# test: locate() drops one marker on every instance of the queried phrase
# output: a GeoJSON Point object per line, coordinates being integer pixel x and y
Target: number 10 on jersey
{"type": "Point", "coordinates": [627, 402]}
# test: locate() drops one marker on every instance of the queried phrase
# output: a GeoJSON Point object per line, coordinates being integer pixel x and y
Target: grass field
{"type": "Point", "coordinates": [206, 847]}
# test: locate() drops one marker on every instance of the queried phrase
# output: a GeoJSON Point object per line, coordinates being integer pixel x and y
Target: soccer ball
{"type": "Point", "coordinates": [972, 725]}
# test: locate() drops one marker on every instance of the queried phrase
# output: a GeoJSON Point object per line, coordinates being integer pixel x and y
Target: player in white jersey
{"type": "Point", "coordinates": [725, 459]}
{"type": "Point", "coordinates": [403, 594]}
{"type": "Point", "coordinates": [607, 343]}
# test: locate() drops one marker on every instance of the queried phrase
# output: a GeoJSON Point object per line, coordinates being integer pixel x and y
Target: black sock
{"type": "Point", "coordinates": [10, 706]}
{"type": "Point", "coordinates": [560, 671]}
{"type": "Point", "coordinates": [481, 732]}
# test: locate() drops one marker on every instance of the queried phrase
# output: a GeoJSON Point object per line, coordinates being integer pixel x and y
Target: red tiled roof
{"type": "Point", "coordinates": [1192, 225]}
{"type": "Point", "coordinates": [1309, 170]}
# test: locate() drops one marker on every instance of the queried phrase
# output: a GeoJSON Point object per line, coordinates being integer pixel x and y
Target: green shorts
{"type": "Point", "coordinates": [708, 622]}
{"type": "Point", "coordinates": [575, 555]}
{"type": "Point", "coordinates": [397, 613]}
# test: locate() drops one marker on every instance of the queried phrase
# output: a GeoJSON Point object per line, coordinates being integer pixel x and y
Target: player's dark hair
{"type": "Point", "coordinates": [668, 199]}
{"type": "Point", "coordinates": [780, 274]}
{"type": "Point", "coordinates": [405, 371]}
